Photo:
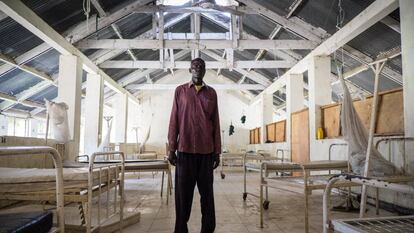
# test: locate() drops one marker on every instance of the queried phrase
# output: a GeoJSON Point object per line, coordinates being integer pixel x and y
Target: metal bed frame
{"type": "Point", "coordinates": [245, 156]}
{"type": "Point", "coordinates": [387, 140]}
{"type": "Point", "coordinates": [261, 157]}
{"type": "Point", "coordinates": [81, 194]}
{"type": "Point", "coordinates": [145, 165]}
{"type": "Point", "coordinates": [395, 138]}
{"type": "Point", "coordinates": [308, 187]}
{"type": "Point", "coordinates": [155, 166]}
{"type": "Point", "coordinates": [57, 161]}
{"type": "Point", "coordinates": [231, 157]}
{"type": "Point", "coordinates": [379, 224]}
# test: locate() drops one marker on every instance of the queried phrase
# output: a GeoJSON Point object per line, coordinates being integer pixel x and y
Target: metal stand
{"type": "Point", "coordinates": [136, 138]}
{"type": "Point", "coordinates": [377, 68]}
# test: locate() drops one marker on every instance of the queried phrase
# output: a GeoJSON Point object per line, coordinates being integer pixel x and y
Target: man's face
{"type": "Point", "coordinates": [197, 71]}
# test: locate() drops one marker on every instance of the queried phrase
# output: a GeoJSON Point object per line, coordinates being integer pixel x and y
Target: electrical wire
{"type": "Point", "coordinates": [86, 10]}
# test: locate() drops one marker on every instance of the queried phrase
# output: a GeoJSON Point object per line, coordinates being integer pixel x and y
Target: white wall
{"type": "Point", "coordinates": [3, 125]}
{"type": "Point", "coordinates": [156, 105]}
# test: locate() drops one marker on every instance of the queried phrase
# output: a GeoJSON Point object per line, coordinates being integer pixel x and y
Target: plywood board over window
{"type": "Point", "coordinates": [275, 132]}
{"type": "Point", "coordinates": [271, 132]}
{"type": "Point", "coordinates": [255, 136]}
{"type": "Point", "coordinates": [280, 131]}
{"type": "Point", "coordinates": [390, 117]}
{"type": "Point", "coordinates": [300, 136]}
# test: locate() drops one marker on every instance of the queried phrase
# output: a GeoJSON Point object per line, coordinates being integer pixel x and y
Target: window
{"type": "Point", "coordinates": [20, 127]}
{"type": "Point", "coordinates": [10, 127]}
{"type": "Point", "coordinates": [41, 129]}
{"type": "Point", "coordinates": [17, 126]}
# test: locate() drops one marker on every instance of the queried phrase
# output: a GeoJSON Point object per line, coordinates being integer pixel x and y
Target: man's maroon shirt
{"type": "Point", "coordinates": [194, 122]}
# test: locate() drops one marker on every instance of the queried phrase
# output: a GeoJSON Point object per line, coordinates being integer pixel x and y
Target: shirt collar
{"type": "Point", "coordinates": [190, 84]}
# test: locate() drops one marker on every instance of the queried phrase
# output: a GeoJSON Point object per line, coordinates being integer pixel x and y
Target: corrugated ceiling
{"type": "Point", "coordinates": [64, 14]}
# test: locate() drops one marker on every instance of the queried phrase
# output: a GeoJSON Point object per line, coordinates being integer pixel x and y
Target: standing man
{"type": "Point", "coordinates": [194, 133]}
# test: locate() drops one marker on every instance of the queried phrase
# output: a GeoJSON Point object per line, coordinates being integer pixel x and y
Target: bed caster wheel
{"type": "Point", "coordinates": [266, 205]}
{"type": "Point", "coordinates": [223, 176]}
{"type": "Point", "coordinates": [244, 196]}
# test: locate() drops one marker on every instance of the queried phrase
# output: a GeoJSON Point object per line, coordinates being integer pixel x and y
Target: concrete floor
{"type": "Point", "coordinates": [286, 212]}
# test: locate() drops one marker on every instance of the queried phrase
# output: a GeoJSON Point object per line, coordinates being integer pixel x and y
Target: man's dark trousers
{"type": "Point", "coordinates": [194, 169]}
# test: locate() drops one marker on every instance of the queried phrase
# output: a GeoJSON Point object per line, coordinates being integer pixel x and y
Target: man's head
{"type": "Point", "coordinates": [197, 70]}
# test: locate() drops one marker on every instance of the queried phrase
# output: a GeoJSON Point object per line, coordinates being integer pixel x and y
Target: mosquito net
{"type": "Point", "coordinates": [355, 134]}
{"type": "Point", "coordinates": [58, 120]}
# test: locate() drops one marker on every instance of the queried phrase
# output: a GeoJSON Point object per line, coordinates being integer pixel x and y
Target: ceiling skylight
{"type": "Point", "coordinates": [175, 2]}
{"type": "Point", "coordinates": [182, 2]}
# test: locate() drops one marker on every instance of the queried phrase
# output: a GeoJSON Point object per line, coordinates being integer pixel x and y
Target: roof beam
{"type": "Point", "coordinates": [290, 25]}
{"type": "Point", "coordinates": [24, 95]}
{"type": "Point", "coordinates": [99, 8]}
{"type": "Point", "coordinates": [25, 57]}
{"type": "Point", "coordinates": [218, 21]}
{"type": "Point", "coordinates": [79, 32]}
{"type": "Point", "coordinates": [116, 29]}
{"type": "Point", "coordinates": [195, 9]}
{"type": "Point", "coordinates": [25, 68]}
{"type": "Point", "coordinates": [103, 55]}
{"type": "Point", "coordinates": [392, 23]}
{"type": "Point", "coordinates": [195, 44]}
{"type": "Point", "coordinates": [138, 75]}
{"type": "Point", "coordinates": [2, 16]}
{"type": "Point", "coordinates": [127, 64]}
{"type": "Point", "coordinates": [215, 86]}
{"type": "Point", "coordinates": [245, 98]}
{"type": "Point", "coordinates": [98, 57]}
{"type": "Point", "coordinates": [305, 30]}
{"type": "Point", "coordinates": [365, 67]}
{"type": "Point", "coordinates": [274, 33]}
{"type": "Point", "coordinates": [27, 103]}
{"type": "Point", "coordinates": [368, 17]}
{"type": "Point", "coordinates": [27, 18]}
{"type": "Point", "coordinates": [253, 75]}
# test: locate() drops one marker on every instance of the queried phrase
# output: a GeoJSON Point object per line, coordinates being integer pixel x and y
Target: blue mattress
{"type": "Point", "coordinates": [32, 222]}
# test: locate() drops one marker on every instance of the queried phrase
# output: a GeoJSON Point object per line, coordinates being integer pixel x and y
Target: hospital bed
{"type": "Point", "coordinates": [147, 155]}
{"type": "Point", "coordinates": [250, 156]}
{"type": "Point", "coordinates": [305, 183]}
{"type": "Point", "coordinates": [40, 220]}
{"type": "Point", "coordinates": [376, 224]}
{"type": "Point", "coordinates": [252, 162]}
{"type": "Point", "coordinates": [79, 185]}
{"type": "Point", "coordinates": [225, 157]}
{"type": "Point", "coordinates": [137, 165]}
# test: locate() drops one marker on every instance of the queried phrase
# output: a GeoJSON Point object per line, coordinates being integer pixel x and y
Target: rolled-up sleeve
{"type": "Point", "coordinates": [216, 128]}
{"type": "Point", "coordinates": [173, 127]}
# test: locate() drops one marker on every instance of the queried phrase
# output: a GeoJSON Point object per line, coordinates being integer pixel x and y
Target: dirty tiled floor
{"type": "Point", "coordinates": [286, 212]}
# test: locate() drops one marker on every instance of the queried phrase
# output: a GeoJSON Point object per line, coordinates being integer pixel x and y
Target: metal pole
{"type": "Point", "coordinates": [377, 67]}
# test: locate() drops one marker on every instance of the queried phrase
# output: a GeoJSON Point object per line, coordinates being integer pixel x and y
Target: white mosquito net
{"type": "Point", "coordinates": [355, 134]}
{"type": "Point", "coordinates": [58, 120]}
{"type": "Point", "coordinates": [106, 140]}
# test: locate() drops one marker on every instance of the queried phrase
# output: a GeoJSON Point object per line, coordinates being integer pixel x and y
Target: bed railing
{"type": "Point", "coordinates": [358, 180]}
{"type": "Point", "coordinates": [394, 139]}
{"type": "Point", "coordinates": [121, 188]}
{"type": "Point", "coordinates": [334, 145]}
{"type": "Point", "coordinates": [282, 151]}
{"type": "Point", "coordinates": [57, 160]}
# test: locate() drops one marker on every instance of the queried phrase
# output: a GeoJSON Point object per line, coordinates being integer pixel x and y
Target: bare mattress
{"type": "Point", "coordinates": [37, 179]}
